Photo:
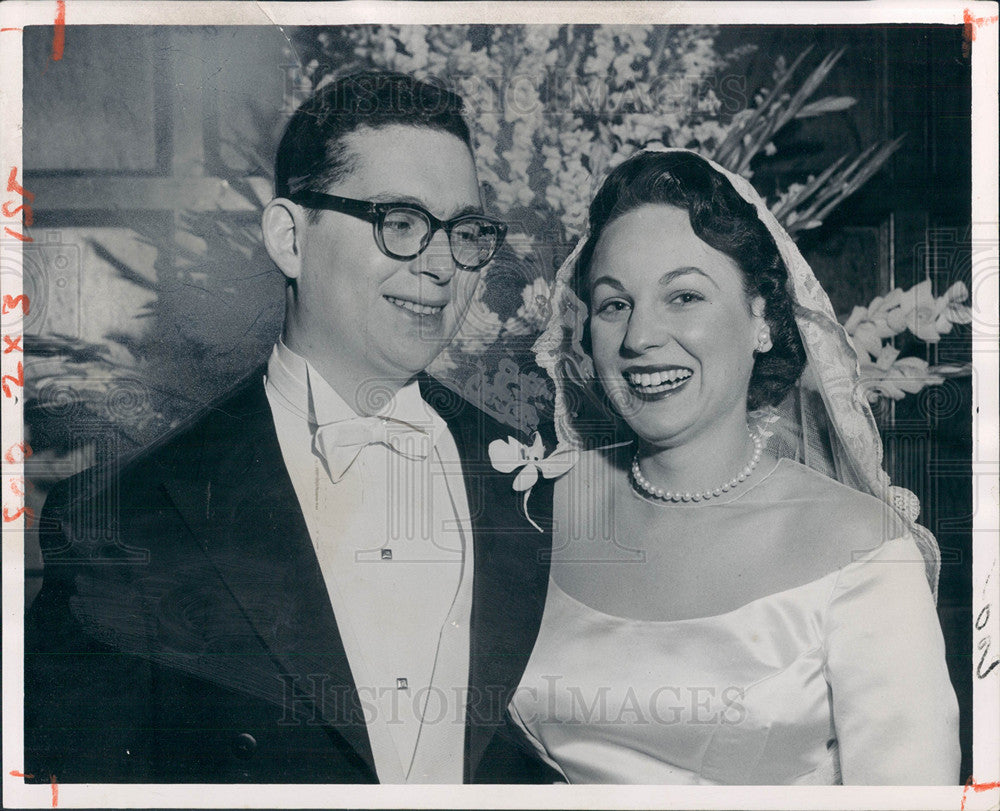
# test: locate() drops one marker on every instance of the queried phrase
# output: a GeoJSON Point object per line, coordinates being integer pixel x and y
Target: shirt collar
{"type": "Point", "coordinates": [305, 392]}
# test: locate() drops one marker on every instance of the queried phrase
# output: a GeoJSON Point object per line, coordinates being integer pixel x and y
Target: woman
{"type": "Point", "coordinates": [719, 612]}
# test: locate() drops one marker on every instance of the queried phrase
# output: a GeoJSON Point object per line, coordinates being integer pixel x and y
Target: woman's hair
{"type": "Point", "coordinates": [722, 219]}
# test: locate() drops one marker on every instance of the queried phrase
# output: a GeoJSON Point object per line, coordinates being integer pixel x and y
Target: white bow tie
{"type": "Point", "coordinates": [339, 444]}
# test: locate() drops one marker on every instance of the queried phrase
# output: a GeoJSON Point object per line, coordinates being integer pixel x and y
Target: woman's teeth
{"type": "Point", "coordinates": [656, 382]}
{"type": "Point", "coordinates": [413, 307]}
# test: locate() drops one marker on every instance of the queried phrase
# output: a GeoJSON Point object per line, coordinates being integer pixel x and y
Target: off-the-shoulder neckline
{"type": "Point", "coordinates": [722, 615]}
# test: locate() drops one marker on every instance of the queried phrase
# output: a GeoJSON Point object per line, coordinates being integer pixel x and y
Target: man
{"type": "Point", "coordinates": [323, 579]}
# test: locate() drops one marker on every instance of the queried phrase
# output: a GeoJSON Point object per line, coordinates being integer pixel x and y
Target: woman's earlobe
{"type": "Point", "coordinates": [763, 339]}
{"type": "Point", "coordinates": [764, 343]}
{"type": "Point", "coordinates": [282, 236]}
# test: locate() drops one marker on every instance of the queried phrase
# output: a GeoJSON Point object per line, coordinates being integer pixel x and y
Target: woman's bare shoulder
{"type": "Point", "coordinates": [836, 522]}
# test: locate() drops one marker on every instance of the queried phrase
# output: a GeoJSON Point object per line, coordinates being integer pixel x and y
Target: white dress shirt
{"type": "Point", "coordinates": [394, 543]}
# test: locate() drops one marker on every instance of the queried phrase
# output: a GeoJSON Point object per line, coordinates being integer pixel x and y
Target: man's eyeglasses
{"type": "Point", "coordinates": [404, 230]}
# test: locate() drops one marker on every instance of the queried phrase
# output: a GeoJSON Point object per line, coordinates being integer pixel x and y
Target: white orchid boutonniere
{"type": "Point", "coordinates": [509, 455]}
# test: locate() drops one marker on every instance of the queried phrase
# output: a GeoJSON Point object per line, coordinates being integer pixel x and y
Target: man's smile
{"type": "Point", "coordinates": [416, 307]}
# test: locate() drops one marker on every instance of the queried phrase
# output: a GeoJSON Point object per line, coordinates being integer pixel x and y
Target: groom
{"type": "Point", "coordinates": [333, 584]}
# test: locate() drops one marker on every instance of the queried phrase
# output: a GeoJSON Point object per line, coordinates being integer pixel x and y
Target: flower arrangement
{"type": "Point", "coordinates": [883, 372]}
{"type": "Point", "coordinates": [554, 108]}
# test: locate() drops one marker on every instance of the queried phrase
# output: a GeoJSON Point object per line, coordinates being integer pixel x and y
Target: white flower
{"type": "Point", "coordinates": [916, 309]}
{"type": "Point", "coordinates": [510, 455]}
{"type": "Point", "coordinates": [950, 309]}
{"type": "Point", "coordinates": [869, 326]}
{"type": "Point", "coordinates": [892, 376]}
{"type": "Point", "coordinates": [533, 315]}
{"type": "Point", "coordinates": [920, 308]}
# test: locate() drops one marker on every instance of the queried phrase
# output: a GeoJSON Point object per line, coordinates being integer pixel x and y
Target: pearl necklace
{"type": "Point", "coordinates": [643, 485]}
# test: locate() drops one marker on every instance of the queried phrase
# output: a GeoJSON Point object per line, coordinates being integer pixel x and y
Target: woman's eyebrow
{"type": "Point", "coordinates": [665, 279]}
{"type": "Point", "coordinates": [608, 280]}
{"type": "Point", "coordinates": [669, 276]}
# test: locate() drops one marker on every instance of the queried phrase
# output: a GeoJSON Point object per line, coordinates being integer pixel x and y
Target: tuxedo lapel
{"type": "Point", "coordinates": [511, 560]}
{"type": "Point", "coordinates": [246, 515]}
{"type": "Point", "coordinates": [241, 506]}
{"type": "Point", "coordinates": [509, 585]}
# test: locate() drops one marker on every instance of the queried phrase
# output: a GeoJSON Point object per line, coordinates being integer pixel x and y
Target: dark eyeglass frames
{"type": "Point", "coordinates": [404, 230]}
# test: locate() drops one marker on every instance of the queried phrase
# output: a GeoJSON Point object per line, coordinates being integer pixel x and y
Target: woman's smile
{"type": "Point", "coordinates": [656, 382]}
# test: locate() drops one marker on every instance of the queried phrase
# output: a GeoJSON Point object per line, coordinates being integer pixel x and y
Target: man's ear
{"type": "Point", "coordinates": [282, 224]}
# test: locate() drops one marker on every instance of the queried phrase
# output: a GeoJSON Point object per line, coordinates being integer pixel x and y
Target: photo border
{"type": "Point", "coordinates": [981, 27]}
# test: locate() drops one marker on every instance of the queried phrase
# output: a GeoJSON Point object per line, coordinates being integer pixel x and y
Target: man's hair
{"type": "Point", "coordinates": [312, 153]}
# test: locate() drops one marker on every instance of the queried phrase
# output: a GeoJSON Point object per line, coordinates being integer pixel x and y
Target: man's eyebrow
{"type": "Point", "coordinates": [389, 197]}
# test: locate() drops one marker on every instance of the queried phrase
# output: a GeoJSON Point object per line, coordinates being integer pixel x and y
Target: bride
{"type": "Point", "coordinates": [737, 595]}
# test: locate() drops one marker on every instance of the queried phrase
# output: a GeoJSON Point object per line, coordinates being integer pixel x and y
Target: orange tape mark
{"type": "Point", "coordinates": [59, 35]}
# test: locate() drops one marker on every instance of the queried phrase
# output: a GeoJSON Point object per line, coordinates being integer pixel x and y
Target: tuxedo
{"type": "Point", "coordinates": [190, 636]}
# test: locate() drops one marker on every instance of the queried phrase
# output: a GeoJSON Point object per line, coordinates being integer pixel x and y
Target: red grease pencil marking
{"type": "Point", "coordinates": [59, 35]}
{"type": "Point", "coordinates": [972, 23]}
{"type": "Point", "coordinates": [55, 792]}
{"type": "Point", "coordinates": [25, 450]}
{"type": "Point", "coordinates": [21, 237]}
{"type": "Point", "coordinates": [976, 787]}
{"type": "Point", "coordinates": [1, 31]}
{"type": "Point", "coordinates": [21, 774]}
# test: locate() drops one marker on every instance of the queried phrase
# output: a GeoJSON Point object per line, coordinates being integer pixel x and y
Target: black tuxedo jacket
{"type": "Point", "coordinates": [184, 633]}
